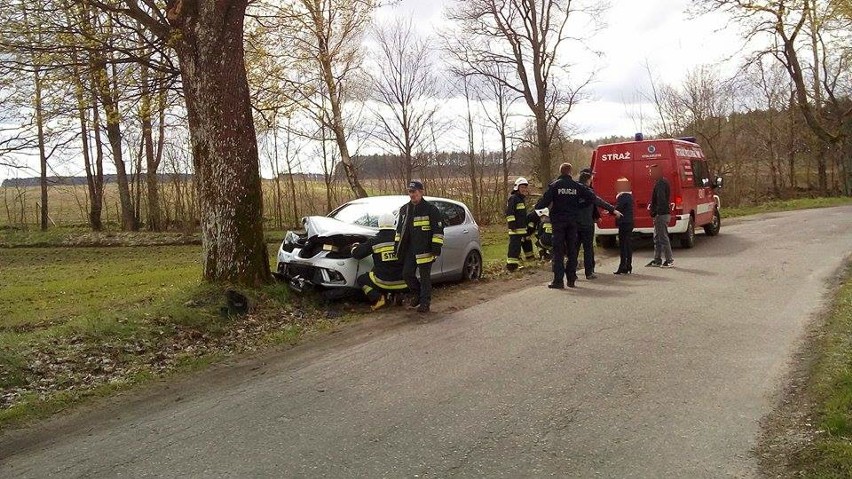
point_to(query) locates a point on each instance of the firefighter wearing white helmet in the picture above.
(516, 219)
(386, 275)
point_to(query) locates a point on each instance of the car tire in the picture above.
(608, 241)
(712, 229)
(472, 269)
(687, 239)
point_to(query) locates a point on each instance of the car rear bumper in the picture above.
(681, 223)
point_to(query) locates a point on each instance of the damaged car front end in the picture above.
(319, 256)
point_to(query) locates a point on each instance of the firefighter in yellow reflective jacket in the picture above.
(516, 219)
(386, 276)
(419, 239)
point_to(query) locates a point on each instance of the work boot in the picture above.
(556, 285)
(668, 264)
(591, 276)
(572, 284)
(655, 263)
(511, 267)
(381, 302)
(423, 308)
(414, 302)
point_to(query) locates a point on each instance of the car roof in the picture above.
(401, 200)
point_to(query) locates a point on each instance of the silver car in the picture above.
(319, 257)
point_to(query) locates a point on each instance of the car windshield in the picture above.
(367, 212)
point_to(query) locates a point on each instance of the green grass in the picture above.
(829, 389)
(785, 205)
(96, 302)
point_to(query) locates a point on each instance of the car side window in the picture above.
(452, 214)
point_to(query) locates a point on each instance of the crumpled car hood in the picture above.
(323, 226)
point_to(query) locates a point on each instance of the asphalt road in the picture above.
(666, 373)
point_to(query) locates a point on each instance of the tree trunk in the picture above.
(113, 126)
(151, 180)
(42, 155)
(471, 157)
(544, 153)
(96, 213)
(224, 146)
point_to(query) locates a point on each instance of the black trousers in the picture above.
(422, 288)
(565, 242)
(586, 237)
(625, 246)
(374, 287)
(516, 244)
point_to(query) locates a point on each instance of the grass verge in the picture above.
(786, 205)
(828, 454)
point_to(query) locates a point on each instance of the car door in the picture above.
(455, 237)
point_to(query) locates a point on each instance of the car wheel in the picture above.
(715, 225)
(608, 241)
(687, 239)
(472, 266)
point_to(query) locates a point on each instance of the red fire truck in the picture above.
(694, 199)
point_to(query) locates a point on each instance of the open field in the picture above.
(283, 208)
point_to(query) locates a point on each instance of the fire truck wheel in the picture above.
(687, 239)
(712, 229)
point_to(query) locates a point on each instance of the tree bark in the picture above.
(42, 155)
(151, 163)
(209, 44)
(113, 127)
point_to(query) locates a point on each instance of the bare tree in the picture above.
(494, 90)
(528, 37)
(813, 45)
(408, 90)
(322, 40)
(208, 40)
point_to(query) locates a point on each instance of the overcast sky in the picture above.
(661, 33)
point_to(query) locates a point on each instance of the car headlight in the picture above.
(291, 238)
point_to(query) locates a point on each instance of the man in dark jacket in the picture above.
(660, 208)
(516, 219)
(589, 216)
(563, 199)
(624, 204)
(386, 276)
(419, 238)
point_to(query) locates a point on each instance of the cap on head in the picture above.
(415, 185)
(587, 171)
(387, 221)
(520, 181)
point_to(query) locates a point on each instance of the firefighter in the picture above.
(563, 200)
(543, 233)
(516, 219)
(419, 238)
(386, 275)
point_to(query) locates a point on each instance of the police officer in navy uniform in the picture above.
(563, 198)
(589, 216)
(386, 275)
(419, 238)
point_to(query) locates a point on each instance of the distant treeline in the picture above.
(81, 180)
